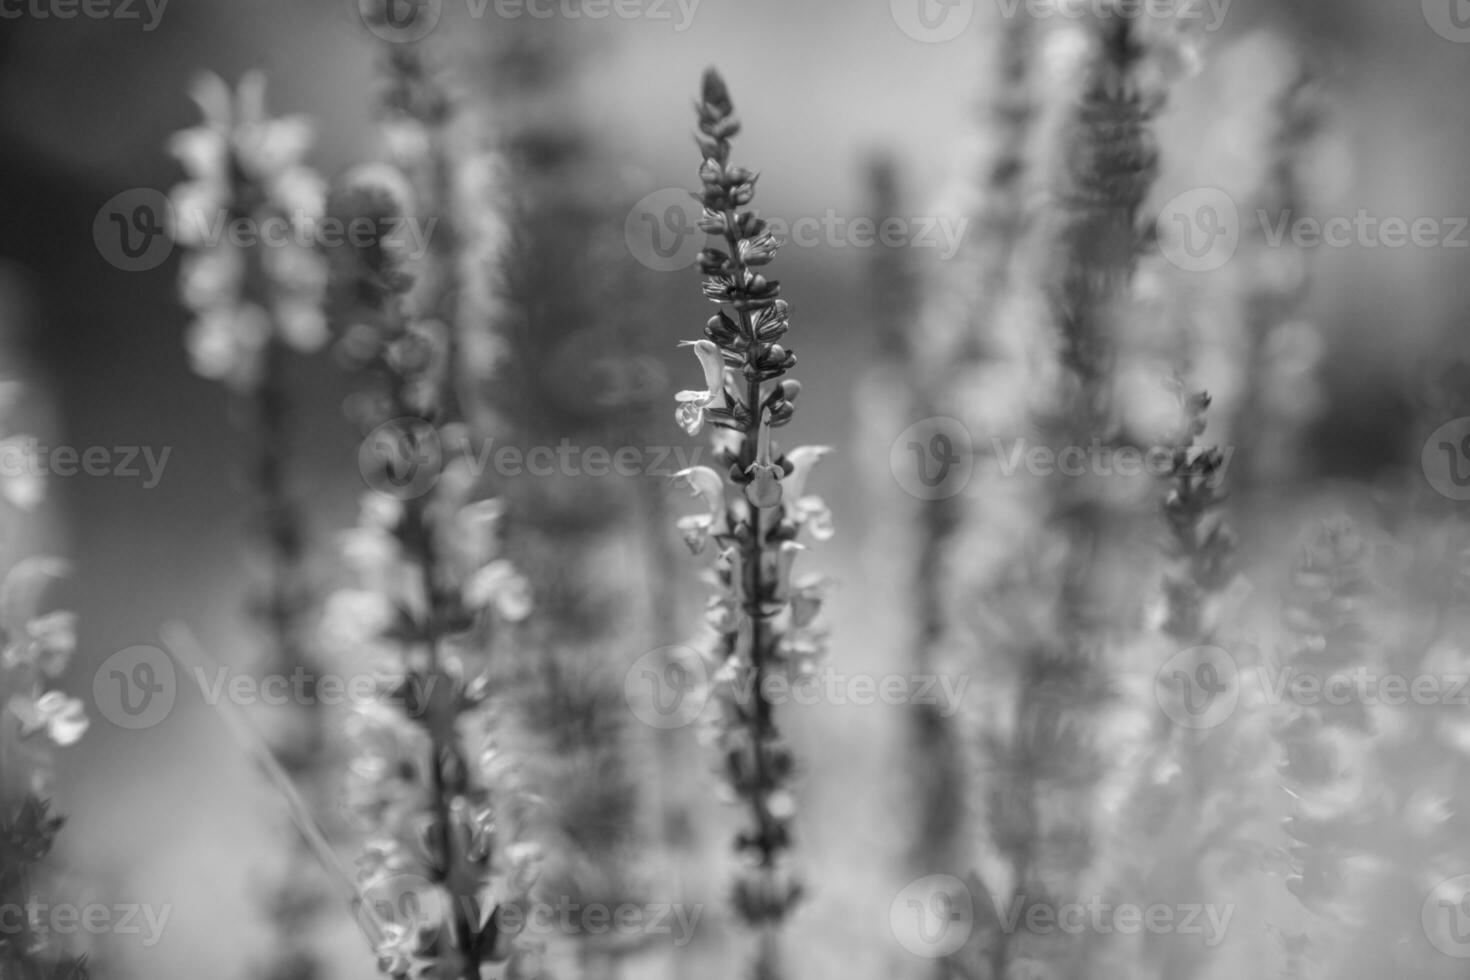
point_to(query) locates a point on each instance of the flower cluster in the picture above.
(765, 621)
(433, 595)
(247, 292)
(1200, 542)
(35, 717)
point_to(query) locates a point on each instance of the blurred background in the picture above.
(177, 813)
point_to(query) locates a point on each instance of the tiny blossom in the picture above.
(353, 618)
(693, 405)
(697, 529)
(63, 719)
(500, 586)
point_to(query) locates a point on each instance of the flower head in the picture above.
(693, 405)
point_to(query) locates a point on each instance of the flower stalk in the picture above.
(757, 511)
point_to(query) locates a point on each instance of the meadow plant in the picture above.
(513, 203)
(36, 718)
(1324, 762)
(256, 302)
(435, 599)
(764, 621)
(1058, 612)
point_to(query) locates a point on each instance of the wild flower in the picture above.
(1057, 617)
(256, 300)
(248, 301)
(1325, 759)
(757, 510)
(431, 784)
(36, 718)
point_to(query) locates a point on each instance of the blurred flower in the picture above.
(63, 719)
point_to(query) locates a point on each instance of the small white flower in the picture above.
(706, 484)
(694, 404)
(802, 460)
(764, 488)
(498, 584)
(225, 343)
(355, 618)
(63, 719)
